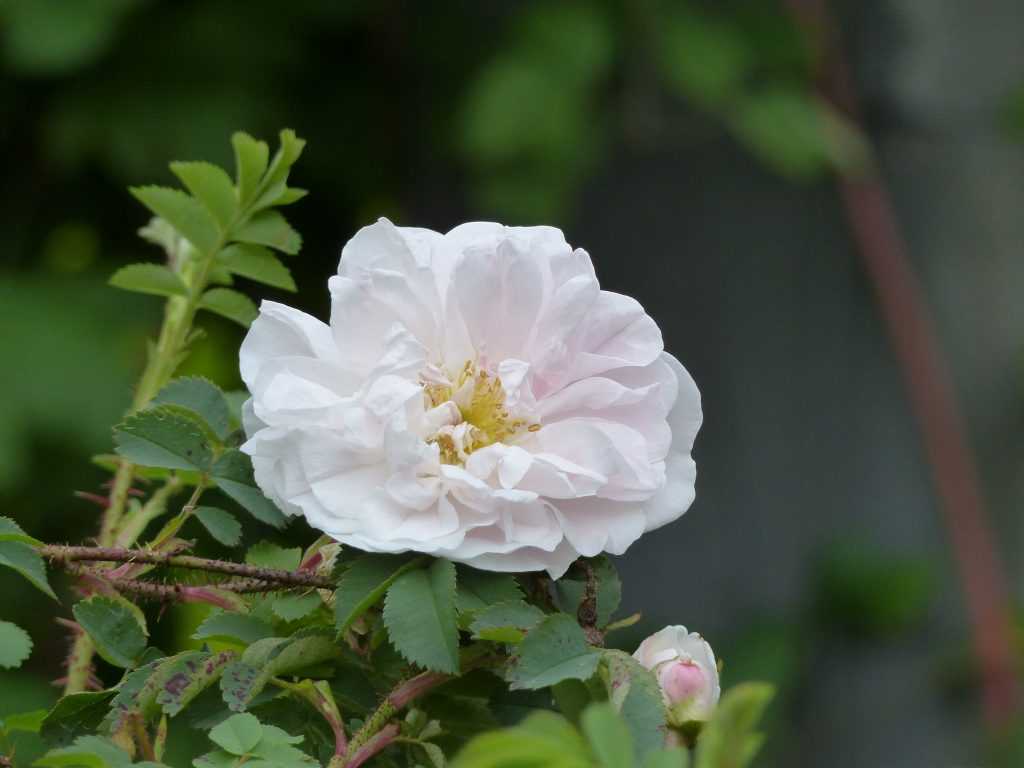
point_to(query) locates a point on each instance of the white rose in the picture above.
(686, 670)
(476, 396)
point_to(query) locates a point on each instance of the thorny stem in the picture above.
(274, 577)
(377, 732)
(164, 357)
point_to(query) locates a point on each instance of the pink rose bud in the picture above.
(685, 667)
(681, 680)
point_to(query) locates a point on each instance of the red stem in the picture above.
(377, 742)
(932, 397)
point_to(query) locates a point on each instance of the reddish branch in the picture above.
(929, 384)
(64, 555)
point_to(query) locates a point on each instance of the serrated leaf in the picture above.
(506, 622)
(11, 531)
(116, 626)
(268, 555)
(363, 585)
(201, 396)
(555, 650)
(88, 752)
(155, 279)
(288, 152)
(220, 524)
(238, 734)
(233, 626)
(256, 263)
(187, 676)
(294, 607)
(634, 693)
(233, 475)
(230, 304)
(730, 737)
(182, 212)
(164, 436)
(74, 714)
(609, 737)
(479, 589)
(26, 561)
(419, 613)
(212, 187)
(272, 229)
(15, 645)
(244, 679)
(251, 158)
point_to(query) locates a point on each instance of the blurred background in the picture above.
(695, 150)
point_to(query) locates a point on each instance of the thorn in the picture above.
(100, 501)
(68, 624)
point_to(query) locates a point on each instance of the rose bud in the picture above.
(686, 670)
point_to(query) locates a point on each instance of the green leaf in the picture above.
(212, 187)
(542, 740)
(220, 524)
(294, 607)
(233, 475)
(256, 263)
(479, 589)
(419, 612)
(506, 622)
(273, 184)
(73, 715)
(555, 650)
(239, 734)
(667, 758)
(182, 212)
(291, 195)
(23, 722)
(186, 676)
(149, 278)
(244, 679)
(11, 531)
(730, 738)
(201, 396)
(116, 626)
(705, 58)
(267, 555)
(634, 693)
(26, 561)
(88, 752)
(233, 626)
(15, 645)
(165, 436)
(609, 737)
(230, 304)
(797, 133)
(270, 228)
(251, 157)
(363, 585)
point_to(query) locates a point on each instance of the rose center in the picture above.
(468, 411)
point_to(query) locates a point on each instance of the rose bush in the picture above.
(475, 396)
